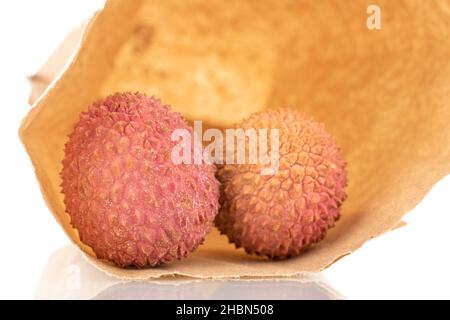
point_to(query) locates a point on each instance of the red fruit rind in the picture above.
(282, 214)
(124, 195)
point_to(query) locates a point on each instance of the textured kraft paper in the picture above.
(383, 94)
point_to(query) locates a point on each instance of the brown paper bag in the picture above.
(384, 95)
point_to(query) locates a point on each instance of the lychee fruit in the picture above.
(280, 214)
(128, 200)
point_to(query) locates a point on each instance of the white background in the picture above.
(411, 262)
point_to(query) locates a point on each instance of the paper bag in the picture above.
(383, 93)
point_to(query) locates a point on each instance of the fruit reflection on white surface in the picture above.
(68, 275)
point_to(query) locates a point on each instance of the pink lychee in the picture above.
(128, 200)
(281, 214)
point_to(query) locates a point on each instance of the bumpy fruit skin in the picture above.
(123, 193)
(280, 215)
